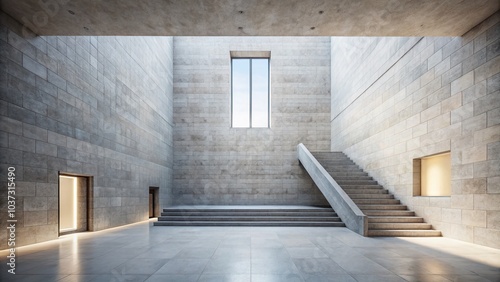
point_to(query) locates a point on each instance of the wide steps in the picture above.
(399, 226)
(365, 191)
(249, 216)
(356, 182)
(248, 213)
(376, 201)
(371, 196)
(395, 219)
(404, 233)
(362, 186)
(251, 223)
(389, 212)
(382, 207)
(348, 174)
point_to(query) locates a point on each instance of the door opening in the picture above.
(73, 204)
(154, 202)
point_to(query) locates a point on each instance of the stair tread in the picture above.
(249, 210)
(274, 218)
(251, 223)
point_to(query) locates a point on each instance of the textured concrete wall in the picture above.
(215, 164)
(443, 94)
(100, 106)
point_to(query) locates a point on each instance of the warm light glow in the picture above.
(436, 175)
(68, 203)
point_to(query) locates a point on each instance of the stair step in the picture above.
(365, 191)
(356, 182)
(244, 213)
(371, 196)
(382, 207)
(248, 218)
(337, 174)
(404, 233)
(352, 178)
(361, 186)
(341, 167)
(395, 219)
(388, 213)
(248, 210)
(376, 201)
(250, 223)
(337, 162)
(399, 226)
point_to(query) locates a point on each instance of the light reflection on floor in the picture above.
(141, 252)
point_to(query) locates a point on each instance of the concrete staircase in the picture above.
(249, 216)
(386, 215)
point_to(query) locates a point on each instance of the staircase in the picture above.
(249, 216)
(386, 215)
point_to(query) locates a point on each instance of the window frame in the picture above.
(251, 58)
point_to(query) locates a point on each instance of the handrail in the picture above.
(346, 209)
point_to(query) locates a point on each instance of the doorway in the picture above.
(154, 202)
(73, 204)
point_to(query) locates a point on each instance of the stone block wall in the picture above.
(97, 106)
(217, 164)
(434, 95)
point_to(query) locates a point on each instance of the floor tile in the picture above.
(277, 278)
(270, 253)
(225, 278)
(183, 266)
(200, 253)
(271, 266)
(306, 252)
(142, 252)
(140, 266)
(228, 266)
(172, 278)
(318, 266)
(328, 278)
(241, 252)
(266, 243)
(378, 278)
(425, 278)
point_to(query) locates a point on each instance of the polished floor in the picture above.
(141, 252)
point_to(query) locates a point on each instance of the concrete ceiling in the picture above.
(251, 17)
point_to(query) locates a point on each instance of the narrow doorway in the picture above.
(153, 202)
(73, 204)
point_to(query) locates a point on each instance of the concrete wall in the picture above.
(99, 106)
(440, 95)
(215, 164)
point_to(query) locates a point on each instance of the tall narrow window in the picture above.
(250, 92)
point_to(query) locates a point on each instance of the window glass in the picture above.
(250, 92)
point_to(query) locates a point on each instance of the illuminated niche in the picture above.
(432, 175)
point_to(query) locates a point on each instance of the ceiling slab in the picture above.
(251, 17)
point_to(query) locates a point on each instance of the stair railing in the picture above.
(343, 205)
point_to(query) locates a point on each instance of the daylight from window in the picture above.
(250, 93)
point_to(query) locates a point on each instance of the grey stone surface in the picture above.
(217, 164)
(243, 18)
(453, 103)
(108, 116)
